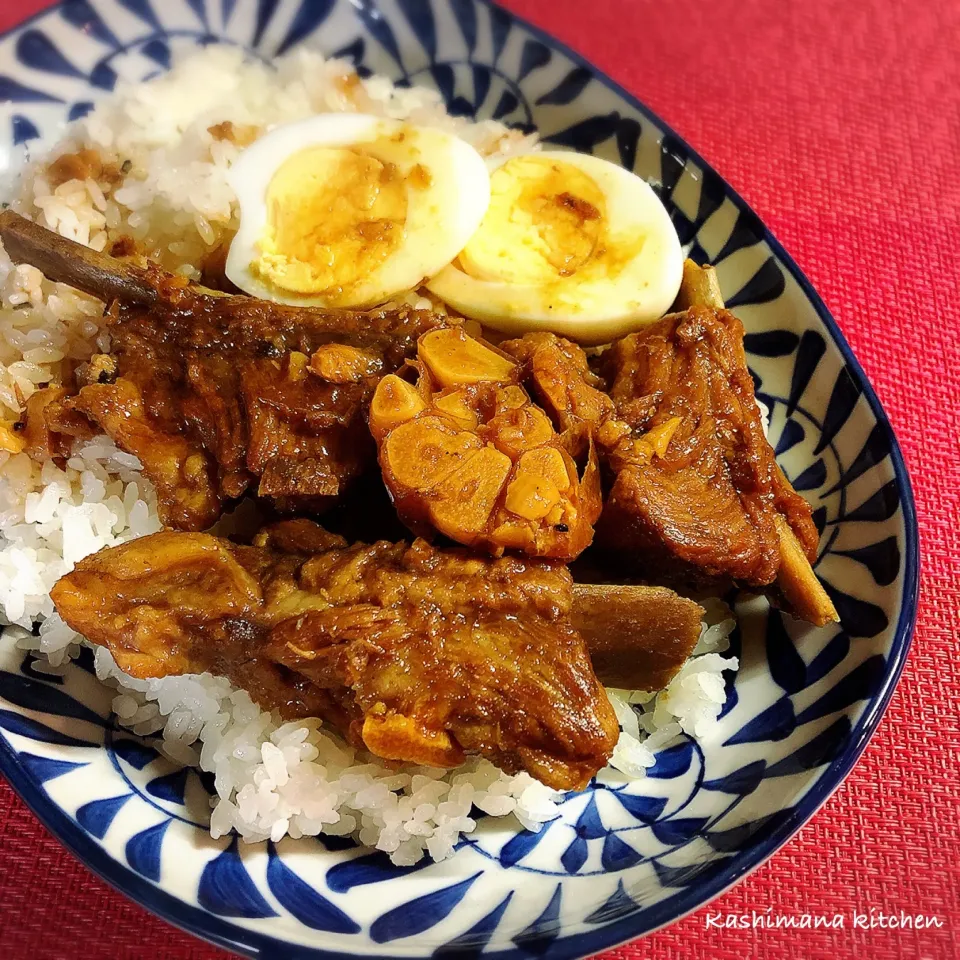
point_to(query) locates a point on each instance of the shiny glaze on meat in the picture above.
(693, 490)
(712, 496)
(215, 393)
(421, 655)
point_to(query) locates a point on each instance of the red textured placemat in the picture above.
(840, 124)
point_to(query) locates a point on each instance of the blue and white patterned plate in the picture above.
(619, 861)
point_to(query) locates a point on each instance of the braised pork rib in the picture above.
(215, 393)
(693, 493)
(419, 654)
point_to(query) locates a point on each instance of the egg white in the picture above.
(587, 309)
(441, 215)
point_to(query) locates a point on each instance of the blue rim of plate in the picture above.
(249, 943)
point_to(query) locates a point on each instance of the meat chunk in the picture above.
(418, 654)
(711, 497)
(562, 381)
(183, 473)
(42, 441)
(466, 452)
(763, 484)
(216, 393)
(693, 492)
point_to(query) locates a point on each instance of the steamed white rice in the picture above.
(272, 779)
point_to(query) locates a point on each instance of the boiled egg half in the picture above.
(347, 210)
(569, 243)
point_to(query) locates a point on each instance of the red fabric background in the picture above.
(840, 123)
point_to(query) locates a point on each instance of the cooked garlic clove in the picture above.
(297, 363)
(454, 359)
(547, 462)
(517, 430)
(394, 402)
(461, 504)
(423, 452)
(659, 437)
(455, 406)
(512, 398)
(341, 363)
(531, 496)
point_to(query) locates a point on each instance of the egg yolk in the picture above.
(545, 222)
(334, 215)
